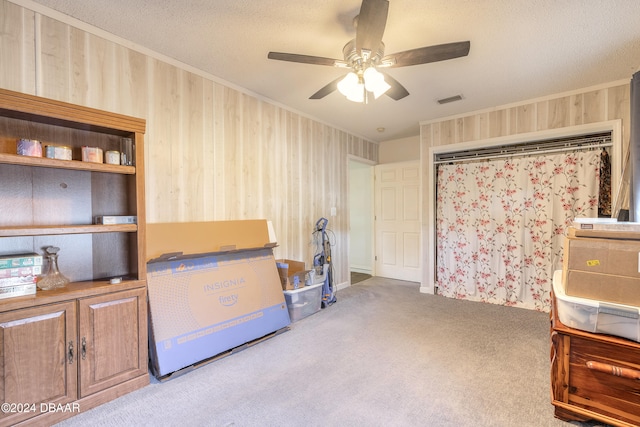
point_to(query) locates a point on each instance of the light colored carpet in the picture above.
(383, 355)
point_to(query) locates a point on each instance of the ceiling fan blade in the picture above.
(371, 23)
(305, 59)
(397, 91)
(424, 55)
(331, 87)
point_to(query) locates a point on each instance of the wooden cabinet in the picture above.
(86, 343)
(112, 330)
(594, 376)
(28, 378)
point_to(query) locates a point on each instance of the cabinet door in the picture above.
(112, 339)
(38, 362)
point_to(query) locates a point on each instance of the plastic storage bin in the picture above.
(596, 316)
(303, 302)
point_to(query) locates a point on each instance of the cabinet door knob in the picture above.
(70, 353)
(84, 348)
(617, 371)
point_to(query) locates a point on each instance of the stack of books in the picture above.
(19, 274)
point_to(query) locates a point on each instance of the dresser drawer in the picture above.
(604, 378)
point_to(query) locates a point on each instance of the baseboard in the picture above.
(427, 290)
(342, 285)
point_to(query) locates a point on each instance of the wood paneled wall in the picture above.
(591, 105)
(212, 152)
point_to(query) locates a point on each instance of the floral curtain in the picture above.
(500, 224)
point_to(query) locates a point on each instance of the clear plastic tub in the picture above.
(596, 316)
(303, 302)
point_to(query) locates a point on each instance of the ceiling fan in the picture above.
(364, 55)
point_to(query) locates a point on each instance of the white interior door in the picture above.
(397, 221)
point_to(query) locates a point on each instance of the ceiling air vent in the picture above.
(450, 99)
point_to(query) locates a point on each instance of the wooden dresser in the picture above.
(594, 376)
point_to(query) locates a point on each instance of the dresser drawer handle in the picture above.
(614, 370)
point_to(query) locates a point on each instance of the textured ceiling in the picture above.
(520, 49)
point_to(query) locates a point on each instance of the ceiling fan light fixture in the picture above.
(357, 95)
(352, 88)
(367, 50)
(374, 82)
(353, 85)
(381, 89)
(345, 86)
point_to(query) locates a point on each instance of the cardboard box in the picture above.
(17, 290)
(618, 231)
(172, 239)
(605, 224)
(293, 274)
(204, 301)
(18, 280)
(34, 270)
(596, 316)
(602, 269)
(20, 260)
(115, 219)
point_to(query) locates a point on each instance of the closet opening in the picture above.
(498, 210)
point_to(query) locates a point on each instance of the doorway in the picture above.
(361, 214)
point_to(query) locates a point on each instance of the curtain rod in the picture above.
(528, 153)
